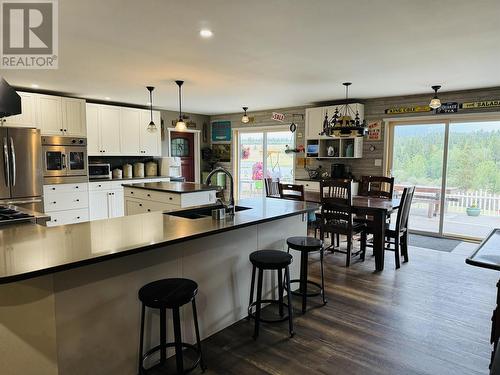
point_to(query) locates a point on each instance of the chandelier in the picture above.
(345, 121)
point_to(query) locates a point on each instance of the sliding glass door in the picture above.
(456, 169)
(261, 154)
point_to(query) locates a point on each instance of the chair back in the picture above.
(291, 192)
(377, 186)
(404, 209)
(272, 188)
(336, 204)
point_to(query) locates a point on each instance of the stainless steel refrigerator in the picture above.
(21, 181)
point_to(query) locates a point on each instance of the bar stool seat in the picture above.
(306, 245)
(170, 294)
(273, 260)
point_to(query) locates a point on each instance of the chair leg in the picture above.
(321, 256)
(289, 299)
(348, 251)
(251, 289)
(258, 306)
(141, 340)
(178, 340)
(337, 237)
(280, 291)
(396, 252)
(197, 331)
(363, 245)
(404, 246)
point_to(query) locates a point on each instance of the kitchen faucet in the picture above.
(229, 206)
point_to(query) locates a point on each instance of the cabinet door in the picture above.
(314, 122)
(119, 203)
(99, 205)
(28, 116)
(74, 117)
(109, 130)
(93, 142)
(150, 140)
(50, 112)
(130, 131)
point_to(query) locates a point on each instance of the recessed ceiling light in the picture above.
(206, 33)
(34, 85)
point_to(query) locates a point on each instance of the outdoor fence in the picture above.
(488, 202)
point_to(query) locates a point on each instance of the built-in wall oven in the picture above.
(64, 159)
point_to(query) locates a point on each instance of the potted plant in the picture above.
(473, 209)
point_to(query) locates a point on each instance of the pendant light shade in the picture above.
(245, 119)
(435, 102)
(180, 125)
(152, 125)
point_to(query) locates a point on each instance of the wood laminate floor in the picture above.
(432, 316)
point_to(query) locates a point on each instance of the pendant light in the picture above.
(180, 125)
(245, 119)
(152, 125)
(435, 102)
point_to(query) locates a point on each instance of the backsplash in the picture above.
(119, 161)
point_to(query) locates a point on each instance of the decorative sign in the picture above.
(451, 107)
(413, 109)
(221, 131)
(482, 104)
(278, 116)
(375, 131)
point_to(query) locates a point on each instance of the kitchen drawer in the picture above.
(100, 185)
(66, 201)
(308, 185)
(68, 217)
(134, 207)
(150, 195)
(63, 188)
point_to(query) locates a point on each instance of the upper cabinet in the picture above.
(74, 122)
(122, 131)
(51, 117)
(316, 116)
(28, 117)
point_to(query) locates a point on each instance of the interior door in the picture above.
(182, 146)
(26, 161)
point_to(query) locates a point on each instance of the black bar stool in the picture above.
(170, 294)
(270, 260)
(307, 245)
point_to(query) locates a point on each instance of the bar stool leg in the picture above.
(303, 279)
(321, 255)
(251, 289)
(141, 340)
(280, 291)
(178, 340)
(163, 336)
(197, 331)
(258, 305)
(289, 298)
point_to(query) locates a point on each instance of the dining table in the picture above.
(379, 209)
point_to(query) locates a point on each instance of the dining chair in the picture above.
(337, 215)
(272, 188)
(377, 186)
(291, 192)
(396, 234)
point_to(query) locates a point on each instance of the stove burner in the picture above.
(9, 214)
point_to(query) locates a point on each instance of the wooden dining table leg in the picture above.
(379, 238)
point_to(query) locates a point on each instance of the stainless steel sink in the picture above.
(199, 213)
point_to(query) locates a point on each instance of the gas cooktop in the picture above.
(10, 215)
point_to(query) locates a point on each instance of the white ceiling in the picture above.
(269, 53)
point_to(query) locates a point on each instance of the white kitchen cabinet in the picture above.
(28, 117)
(150, 141)
(106, 204)
(103, 130)
(50, 115)
(66, 203)
(74, 123)
(130, 131)
(92, 117)
(314, 122)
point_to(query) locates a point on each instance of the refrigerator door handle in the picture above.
(6, 161)
(13, 152)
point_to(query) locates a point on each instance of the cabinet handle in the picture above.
(99, 185)
(149, 195)
(54, 202)
(131, 192)
(140, 204)
(78, 217)
(149, 209)
(170, 198)
(76, 187)
(78, 200)
(53, 188)
(55, 219)
(60, 129)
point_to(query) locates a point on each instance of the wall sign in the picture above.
(278, 116)
(450, 107)
(412, 109)
(482, 104)
(221, 131)
(375, 131)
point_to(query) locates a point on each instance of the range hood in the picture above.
(10, 101)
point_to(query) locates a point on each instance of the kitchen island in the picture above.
(69, 296)
(161, 196)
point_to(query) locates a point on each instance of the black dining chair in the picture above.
(292, 192)
(377, 186)
(337, 215)
(396, 235)
(272, 187)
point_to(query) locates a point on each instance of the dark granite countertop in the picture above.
(30, 250)
(172, 187)
(487, 254)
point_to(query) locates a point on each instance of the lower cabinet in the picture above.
(106, 204)
(66, 203)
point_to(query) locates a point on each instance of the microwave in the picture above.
(99, 171)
